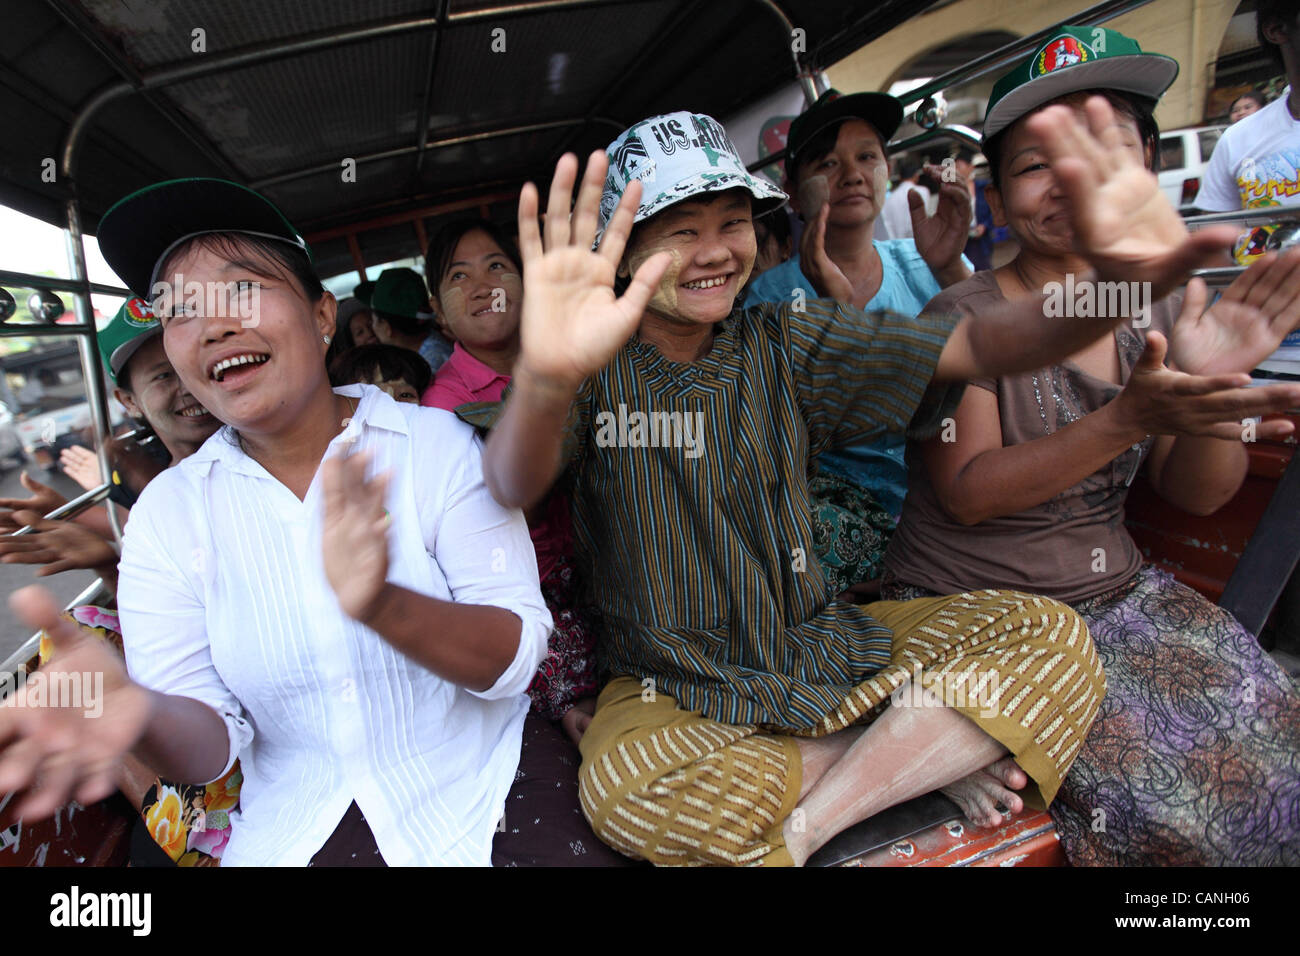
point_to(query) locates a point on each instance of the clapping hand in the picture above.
(44, 499)
(53, 749)
(1157, 400)
(354, 534)
(58, 545)
(941, 238)
(1246, 325)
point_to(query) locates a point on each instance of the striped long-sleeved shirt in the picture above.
(691, 510)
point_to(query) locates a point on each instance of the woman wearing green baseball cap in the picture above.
(361, 641)
(1181, 767)
(740, 684)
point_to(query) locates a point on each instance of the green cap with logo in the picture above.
(401, 292)
(1072, 60)
(133, 325)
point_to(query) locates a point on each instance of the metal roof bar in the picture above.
(333, 165)
(1009, 53)
(86, 28)
(633, 71)
(426, 104)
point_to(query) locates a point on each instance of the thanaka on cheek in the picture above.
(879, 186)
(513, 285)
(664, 300)
(453, 304)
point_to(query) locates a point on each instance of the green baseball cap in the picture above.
(133, 326)
(1076, 59)
(401, 292)
(139, 231)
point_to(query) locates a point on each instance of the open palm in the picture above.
(55, 750)
(572, 322)
(1123, 224)
(1246, 325)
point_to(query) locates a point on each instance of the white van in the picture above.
(1184, 154)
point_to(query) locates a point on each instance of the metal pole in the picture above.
(804, 76)
(92, 369)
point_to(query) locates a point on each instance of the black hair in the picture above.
(438, 257)
(286, 260)
(1255, 95)
(404, 324)
(342, 340)
(965, 154)
(1281, 12)
(775, 224)
(822, 143)
(908, 166)
(390, 361)
(1137, 108)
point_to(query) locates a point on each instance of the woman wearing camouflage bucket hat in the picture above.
(739, 683)
(1182, 765)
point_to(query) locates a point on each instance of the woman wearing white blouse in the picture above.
(352, 640)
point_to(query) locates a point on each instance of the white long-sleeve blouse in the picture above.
(223, 598)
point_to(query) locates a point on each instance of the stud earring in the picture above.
(326, 338)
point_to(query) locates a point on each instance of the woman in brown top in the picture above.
(1195, 756)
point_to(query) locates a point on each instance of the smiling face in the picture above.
(1028, 197)
(856, 173)
(713, 248)
(152, 391)
(255, 373)
(480, 294)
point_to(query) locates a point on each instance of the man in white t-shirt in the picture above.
(896, 214)
(1256, 162)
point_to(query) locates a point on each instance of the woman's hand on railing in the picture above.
(59, 545)
(1246, 324)
(354, 534)
(1123, 224)
(63, 733)
(44, 499)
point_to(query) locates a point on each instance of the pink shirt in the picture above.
(463, 379)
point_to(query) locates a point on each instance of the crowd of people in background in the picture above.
(399, 565)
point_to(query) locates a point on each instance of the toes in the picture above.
(1008, 773)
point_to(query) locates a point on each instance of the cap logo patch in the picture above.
(137, 313)
(1059, 53)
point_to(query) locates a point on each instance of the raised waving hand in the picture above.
(572, 321)
(1123, 224)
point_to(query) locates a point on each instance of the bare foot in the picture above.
(978, 794)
